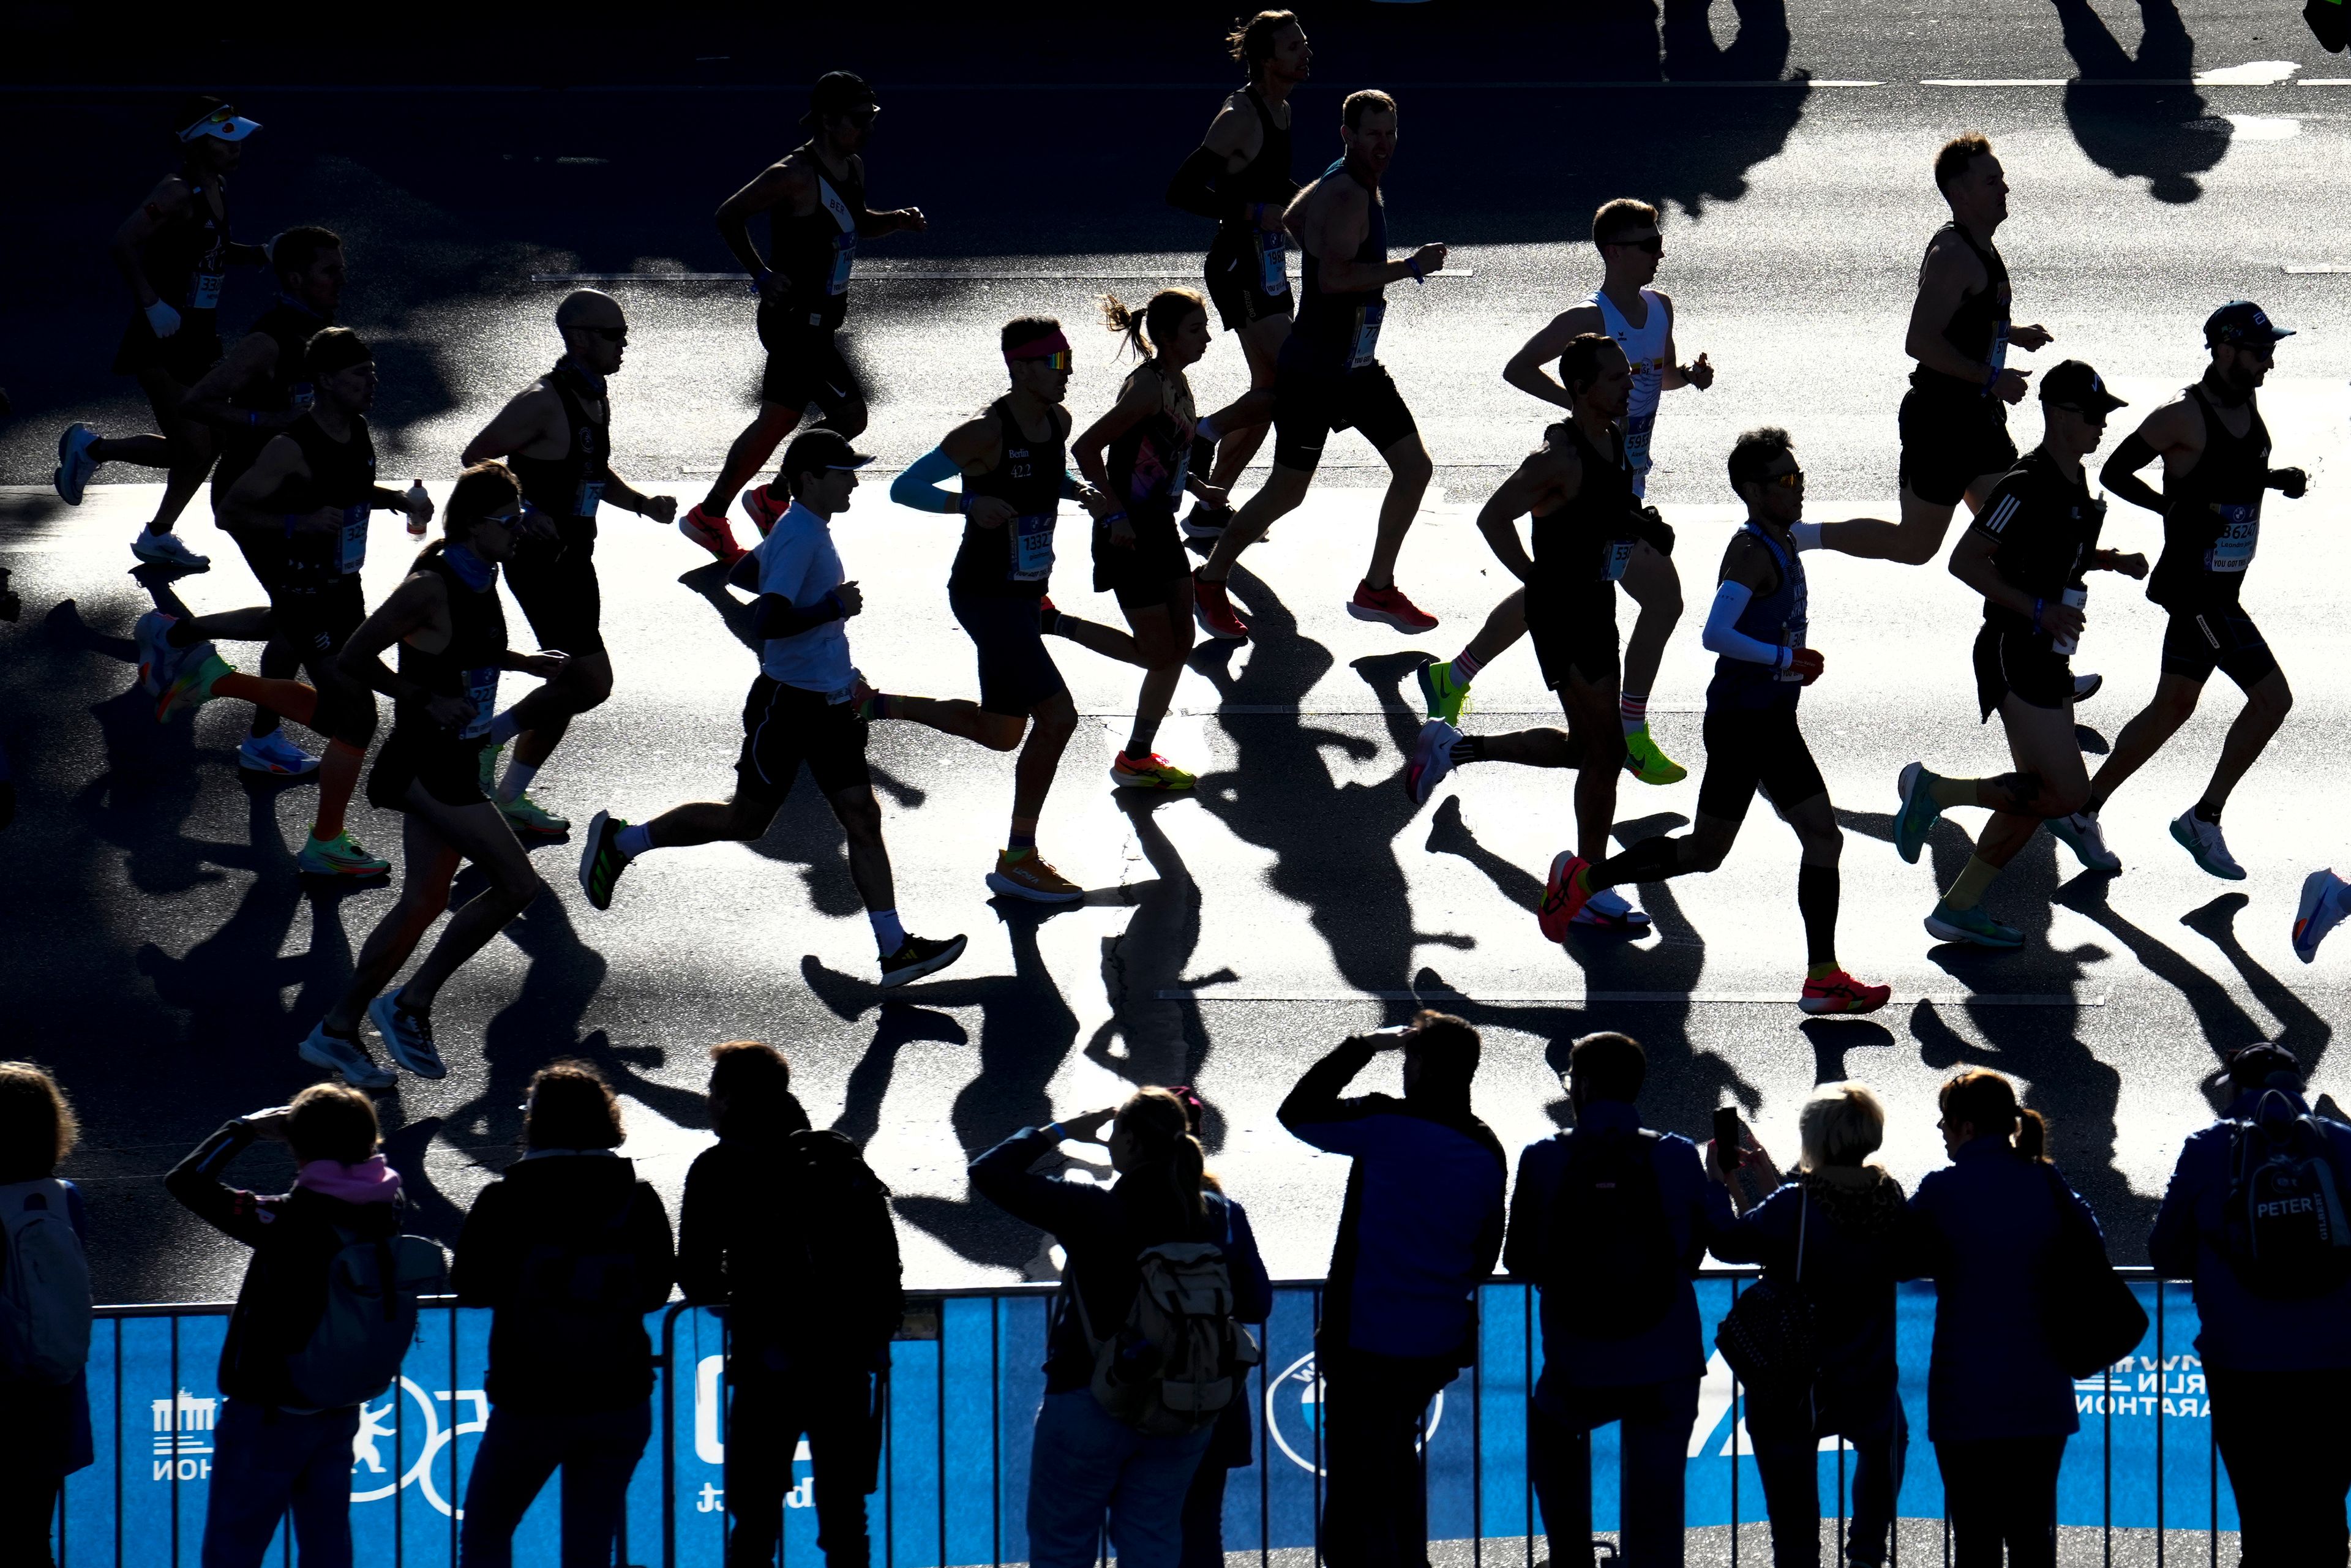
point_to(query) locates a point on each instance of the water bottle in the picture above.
(2066, 646)
(417, 502)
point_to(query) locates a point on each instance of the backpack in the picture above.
(573, 1290)
(45, 1289)
(2283, 1228)
(842, 1217)
(1179, 1358)
(369, 1320)
(1610, 1269)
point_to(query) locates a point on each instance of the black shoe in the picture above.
(919, 957)
(1205, 522)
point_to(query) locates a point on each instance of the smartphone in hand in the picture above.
(1747, 1169)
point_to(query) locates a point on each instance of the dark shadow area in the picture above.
(1148, 1040)
(2164, 135)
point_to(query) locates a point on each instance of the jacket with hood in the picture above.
(294, 1237)
(571, 1251)
(1856, 1229)
(1422, 1223)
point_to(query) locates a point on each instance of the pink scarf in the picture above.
(370, 1181)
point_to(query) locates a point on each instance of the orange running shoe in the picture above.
(1564, 894)
(716, 535)
(1213, 611)
(1838, 992)
(765, 507)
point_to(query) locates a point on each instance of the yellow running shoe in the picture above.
(1152, 772)
(1643, 761)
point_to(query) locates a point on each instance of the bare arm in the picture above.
(1137, 401)
(872, 225)
(2175, 429)
(1530, 368)
(777, 183)
(1697, 373)
(530, 425)
(418, 602)
(248, 503)
(252, 359)
(1947, 274)
(169, 200)
(977, 446)
(1557, 473)
(1331, 221)
(661, 509)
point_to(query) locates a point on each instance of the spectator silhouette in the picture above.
(1234, 1446)
(44, 1417)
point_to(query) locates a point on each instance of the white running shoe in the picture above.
(274, 755)
(166, 550)
(75, 464)
(347, 1057)
(1432, 759)
(2202, 839)
(2086, 686)
(2321, 911)
(1610, 910)
(2081, 834)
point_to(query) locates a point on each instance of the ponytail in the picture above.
(1147, 330)
(1169, 1166)
(1987, 1102)
(1127, 323)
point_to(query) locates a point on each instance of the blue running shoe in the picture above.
(2321, 911)
(1917, 817)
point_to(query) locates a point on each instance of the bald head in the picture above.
(588, 308)
(595, 334)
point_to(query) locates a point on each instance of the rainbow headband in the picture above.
(1041, 349)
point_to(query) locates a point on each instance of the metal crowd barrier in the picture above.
(962, 1387)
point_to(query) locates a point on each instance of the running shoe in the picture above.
(1154, 772)
(274, 755)
(1838, 992)
(1611, 911)
(1205, 522)
(2086, 686)
(156, 655)
(1565, 896)
(1974, 925)
(600, 860)
(408, 1035)
(2321, 911)
(192, 679)
(526, 815)
(1442, 692)
(1389, 605)
(765, 507)
(167, 550)
(716, 535)
(1031, 878)
(341, 855)
(486, 766)
(349, 1057)
(1916, 815)
(1432, 759)
(2081, 834)
(75, 464)
(919, 957)
(1643, 761)
(2202, 839)
(1213, 608)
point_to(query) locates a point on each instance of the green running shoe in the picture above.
(600, 860)
(1643, 761)
(488, 775)
(1442, 693)
(528, 816)
(1972, 925)
(200, 667)
(341, 855)
(1916, 815)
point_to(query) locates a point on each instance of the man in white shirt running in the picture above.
(803, 708)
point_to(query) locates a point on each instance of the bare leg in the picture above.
(2266, 708)
(1505, 624)
(869, 858)
(1599, 742)
(190, 448)
(1408, 475)
(429, 864)
(750, 455)
(1055, 720)
(2173, 704)
(1275, 499)
(960, 717)
(1528, 749)
(1262, 346)
(542, 718)
(1657, 587)
(480, 833)
(2042, 742)
(247, 625)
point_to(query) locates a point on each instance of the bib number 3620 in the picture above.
(2240, 533)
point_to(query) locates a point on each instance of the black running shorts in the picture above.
(554, 581)
(1016, 672)
(419, 751)
(786, 726)
(264, 552)
(2222, 637)
(1236, 278)
(2012, 660)
(1950, 440)
(185, 356)
(1309, 405)
(804, 367)
(1574, 629)
(1151, 569)
(1748, 747)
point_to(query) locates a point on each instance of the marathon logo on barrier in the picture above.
(183, 1436)
(2144, 1386)
(184, 1424)
(1293, 1413)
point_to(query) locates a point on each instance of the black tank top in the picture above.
(1340, 331)
(1149, 463)
(287, 386)
(342, 475)
(1264, 178)
(1979, 328)
(1584, 544)
(1016, 560)
(815, 252)
(2212, 513)
(185, 257)
(570, 489)
(468, 666)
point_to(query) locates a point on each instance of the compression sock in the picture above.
(516, 780)
(1651, 860)
(888, 935)
(1049, 621)
(2205, 810)
(1023, 839)
(1633, 708)
(339, 776)
(504, 729)
(1950, 792)
(1816, 901)
(1466, 666)
(1469, 749)
(1975, 880)
(633, 840)
(291, 698)
(1139, 738)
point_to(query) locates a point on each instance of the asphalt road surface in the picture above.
(161, 953)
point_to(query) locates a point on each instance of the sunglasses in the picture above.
(1654, 244)
(1792, 480)
(609, 334)
(2095, 417)
(1057, 360)
(862, 117)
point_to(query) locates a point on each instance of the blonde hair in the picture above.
(38, 1129)
(1841, 1124)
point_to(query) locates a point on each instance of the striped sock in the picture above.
(1466, 666)
(1633, 708)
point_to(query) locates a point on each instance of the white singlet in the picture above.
(1645, 346)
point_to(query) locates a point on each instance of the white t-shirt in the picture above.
(797, 561)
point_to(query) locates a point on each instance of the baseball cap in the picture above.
(2242, 321)
(2258, 1066)
(819, 450)
(2074, 382)
(838, 92)
(210, 117)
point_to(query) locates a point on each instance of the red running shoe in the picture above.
(1390, 605)
(1213, 611)
(1564, 894)
(1838, 992)
(765, 507)
(713, 534)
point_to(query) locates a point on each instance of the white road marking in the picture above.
(1662, 998)
(922, 275)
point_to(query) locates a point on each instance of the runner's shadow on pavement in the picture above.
(1148, 1040)
(1832, 1039)
(2164, 135)
(2303, 1031)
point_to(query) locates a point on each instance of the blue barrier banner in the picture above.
(962, 1394)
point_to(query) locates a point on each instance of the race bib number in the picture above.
(1615, 556)
(482, 687)
(1032, 548)
(844, 243)
(353, 554)
(1638, 427)
(301, 395)
(1367, 335)
(1998, 358)
(2240, 532)
(204, 292)
(1273, 262)
(591, 496)
(2063, 646)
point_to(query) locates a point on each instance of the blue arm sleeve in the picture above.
(1723, 636)
(923, 486)
(1068, 486)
